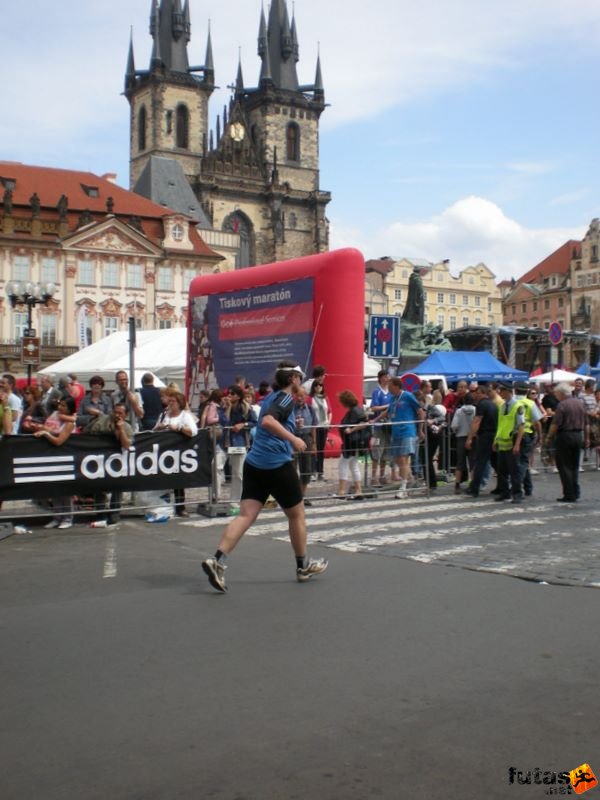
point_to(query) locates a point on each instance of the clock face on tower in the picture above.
(177, 232)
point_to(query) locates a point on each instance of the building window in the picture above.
(594, 252)
(138, 323)
(85, 269)
(561, 302)
(165, 279)
(514, 309)
(477, 320)
(580, 281)
(452, 299)
(164, 324)
(465, 299)
(546, 305)
(477, 301)
(524, 307)
(183, 127)
(405, 273)
(471, 280)
(21, 268)
(142, 129)
(188, 276)
(239, 223)
(111, 325)
(110, 274)
(177, 232)
(489, 305)
(452, 323)
(49, 271)
(48, 324)
(441, 320)
(589, 278)
(397, 294)
(534, 305)
(135, 276)
(292, 139)
(19, 324)
(465, 322)
(440, 297)
(424, 297)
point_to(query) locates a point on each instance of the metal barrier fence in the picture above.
(216, 499)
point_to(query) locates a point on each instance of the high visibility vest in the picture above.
(507, 426)
(527, 406)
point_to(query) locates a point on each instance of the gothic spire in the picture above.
(209, 64)
(130, 71)
(186, 21)
(263, 42)
(295, 47)
(319, 90)
(239, 81)
(155, 58)
(280, 46)
(170, 29)
(265, 70)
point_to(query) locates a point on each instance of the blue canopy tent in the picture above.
(473, 365)
(585, 369)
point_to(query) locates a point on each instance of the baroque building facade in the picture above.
(451, 301)
(256, 176)
(110, 254)
(563, 288)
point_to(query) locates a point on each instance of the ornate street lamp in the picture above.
(27, 293)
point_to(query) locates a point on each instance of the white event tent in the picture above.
(556, 376)
(162, 352)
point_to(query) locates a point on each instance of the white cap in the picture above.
(297, 369)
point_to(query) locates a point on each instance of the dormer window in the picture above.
(8, 183)
(91, 191)
(177, 232)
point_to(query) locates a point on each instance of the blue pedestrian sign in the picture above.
(384, 336)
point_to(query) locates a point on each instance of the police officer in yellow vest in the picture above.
(532, 433)
(507, 444)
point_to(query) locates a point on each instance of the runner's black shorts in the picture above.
(282, 483)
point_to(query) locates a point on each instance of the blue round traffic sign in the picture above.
(411, 382)
(555, 333)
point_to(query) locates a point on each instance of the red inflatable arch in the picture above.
(309, 310)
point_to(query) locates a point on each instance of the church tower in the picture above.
(257, 174)
(169, 101)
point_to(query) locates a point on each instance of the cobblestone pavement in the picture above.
(539, 540)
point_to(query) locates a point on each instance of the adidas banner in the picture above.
(32, 467)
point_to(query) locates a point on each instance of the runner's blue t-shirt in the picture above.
(268, 451)
(403, 409)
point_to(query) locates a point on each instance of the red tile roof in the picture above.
(50, 183)
(557, 263)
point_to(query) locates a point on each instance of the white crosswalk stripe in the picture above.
(527, 540)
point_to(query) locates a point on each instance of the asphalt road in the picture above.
(397, 674)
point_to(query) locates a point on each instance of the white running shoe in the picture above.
(313, 567)
(216, 574)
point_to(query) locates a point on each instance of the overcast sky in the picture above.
(457, 129)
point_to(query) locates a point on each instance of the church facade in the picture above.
(256, 177)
